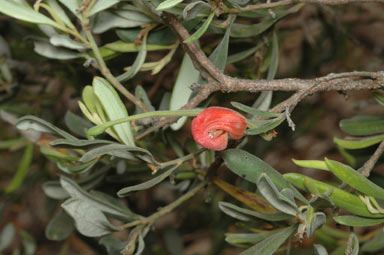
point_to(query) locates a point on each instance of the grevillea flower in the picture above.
(212, 126)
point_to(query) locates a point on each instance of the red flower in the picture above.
(212, 126)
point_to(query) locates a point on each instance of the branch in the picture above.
(368, 166)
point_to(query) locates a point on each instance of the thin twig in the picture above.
(368, 166)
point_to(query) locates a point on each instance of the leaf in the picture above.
(29, 243)
(53, 189)
(97, 202)
(356, 221)
(60, 13)
(148, 184)
(114, 108)
(239, 2)
(355, 245)
(274, 57)
(121, 151)
(320, 250)
(251, 167)
(193, 9)
(264, 101)
(85, 144)
(173, 241)
(25, 13)
(270, 192)
(181, 92)
(60, 227)
(243, 54)
(240, 238)
(376, 243)
(89, 220)
(316, 164)
(254, 112)
(318, 220)
(59, 40)
(269, 245)
(32, 122)
(257, 127)
(245, 31)
(220, 53)
(47, 50)
(199, 32)
(139, 61)
(112, 245)
(101, 5)
(120, 46)
(252, 200)
(363, 125)
(7, 235)
(72, 5)
(234, 209)
(122, 19)
(233, 213)
(76, 124)
(167, 4)
(354, 179)
(360, 143)
(338, 196)
(22, 169)
(158, 37)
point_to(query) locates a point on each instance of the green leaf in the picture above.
(53, 189)
(112, 245)
(251, 167)
(359, 143)
(316, 164)
(194, 9)
(376, 243)
(29, 243)
(114, 108)
(257, 127)
(253, 111)
(245, 31)
(355, 245)
(269, 245)
(264, 101)
(220, 53)
(22, 169)
(139, 61)
(148, 184)
(60, 13)
(76, 124)
(274, 57)
(339, 197)
(241, 238)
(356, 221)
(181, 92)
(23, 12)
(101, 5)
(60, 227)
(228, 208)
(270, 192)
(317, 220)
(162, 37)
(199, 32)
(47, 50)
(167, 4)
(89, 220)
(354, 179)
(85, 144)
(120, 46)
(363, 125)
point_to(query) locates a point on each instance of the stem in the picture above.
(105, 71)
(151, 219)
(101, 128)
(182, 159)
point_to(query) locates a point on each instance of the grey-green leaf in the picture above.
(269, 245)
(148, 184)
(251, 167)
(320, 250)
(199, 32)
(89, 220)
(6, 236)
(25, 13)
(60, 227)
(181, 91)
(167, 4)
(101, 5)
(59, 40)
(47, 50)
(374, 244)
(253, 111)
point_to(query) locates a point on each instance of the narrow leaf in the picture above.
(201, 29)
(167, 4)
(316, 164)
(356, 221)
(359, 143)
(363, 125)
(60, 227)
